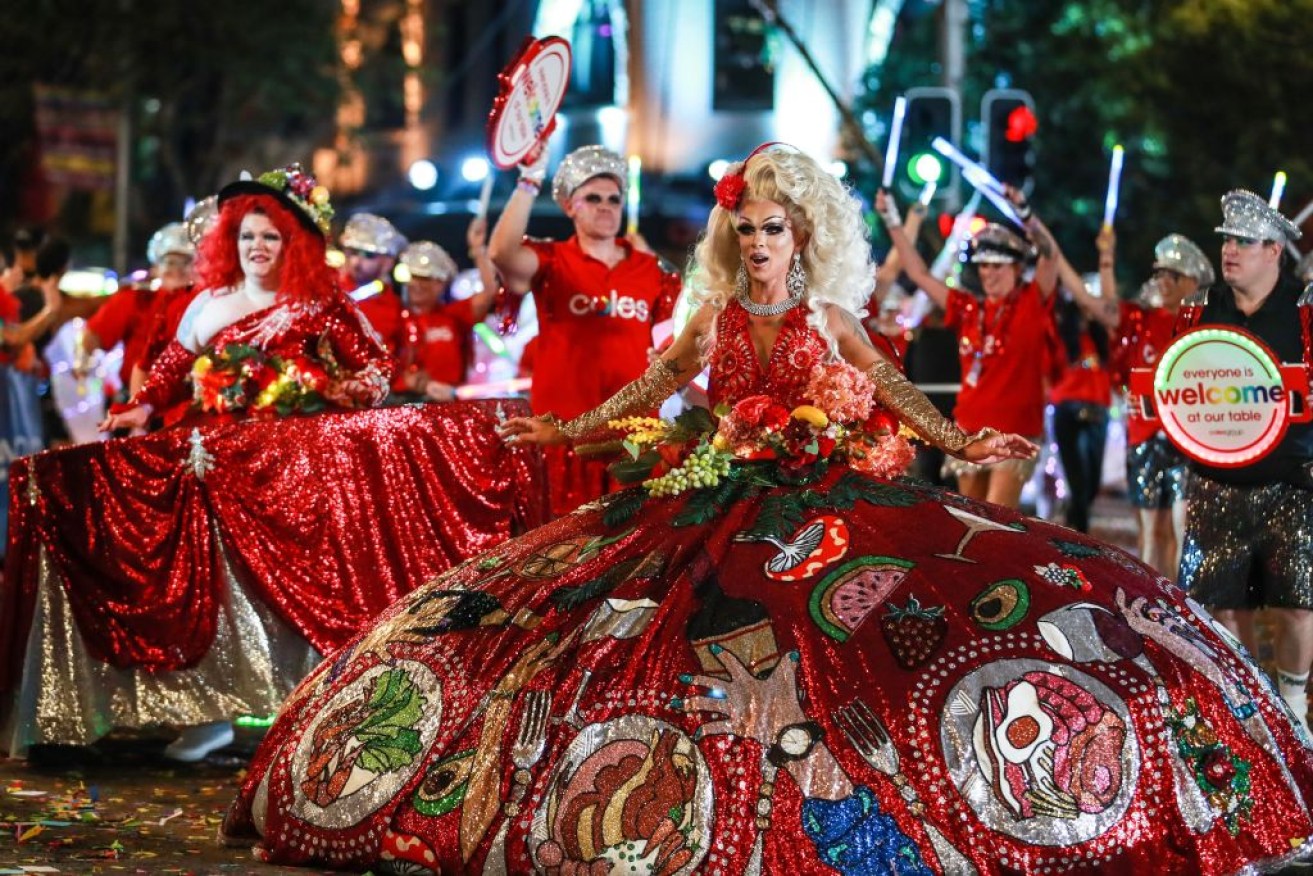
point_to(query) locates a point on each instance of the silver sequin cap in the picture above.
(1245, 214)
(201, 218)
(369, 233)
(997, 245)
(426, 259)
(1175, 252)
(583, 164)
(171, 238)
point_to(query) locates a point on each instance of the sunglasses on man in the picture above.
(594, 199)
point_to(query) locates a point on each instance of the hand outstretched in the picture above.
(998, 447)
(133, 418)
(531, 430)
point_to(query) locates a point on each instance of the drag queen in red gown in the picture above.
(270, 335)
(772, 657)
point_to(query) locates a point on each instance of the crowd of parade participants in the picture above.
(781, 290)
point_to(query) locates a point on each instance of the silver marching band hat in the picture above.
(1178, 253)
(374, 234)
(996, 245)
(583, 164)
(424, 258)
(201, 218)
(172, 238)
(1245, 214)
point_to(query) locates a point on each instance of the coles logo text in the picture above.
(612, 304)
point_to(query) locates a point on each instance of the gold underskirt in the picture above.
(67, 697)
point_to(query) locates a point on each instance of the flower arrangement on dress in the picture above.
(236, 377)
(841, 421)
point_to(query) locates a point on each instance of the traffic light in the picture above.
(1008, 117)
(931, 113)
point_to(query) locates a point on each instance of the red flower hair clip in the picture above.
(729, 188)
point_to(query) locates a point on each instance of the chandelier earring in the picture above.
(796, 280)
(741, 282)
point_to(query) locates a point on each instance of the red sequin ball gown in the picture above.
(165, 624)
(851, 675)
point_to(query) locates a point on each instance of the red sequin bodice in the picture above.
(736, 371)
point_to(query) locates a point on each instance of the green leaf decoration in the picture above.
(700, 508)
(633, 471)
(853, 487)
(623, 506)
(1075, 549)
(696, 421)
(704, 505)
(780, 515)
(388, 738)
(646, 566)
(597, 542)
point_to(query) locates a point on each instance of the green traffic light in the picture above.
(925, 167)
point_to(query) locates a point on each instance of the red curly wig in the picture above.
(304, 273)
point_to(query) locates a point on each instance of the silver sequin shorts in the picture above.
(1248, 547)
(1155, 474)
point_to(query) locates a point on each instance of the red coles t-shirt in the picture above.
(594, 323)
(1009, 391)
(437, 343)
(124, 318)
(1086, 379)
(1142, 335)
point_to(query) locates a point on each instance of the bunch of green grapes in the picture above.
(704, 467)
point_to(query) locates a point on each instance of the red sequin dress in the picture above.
(853, 675)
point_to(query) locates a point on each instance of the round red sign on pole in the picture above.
(532, 88)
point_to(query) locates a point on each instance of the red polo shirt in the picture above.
(436, 343)
(1009, 393)
(594, 323)
(124, 319)
(1085, 380)
(1142, 335)
(165, 314)
(383, 312)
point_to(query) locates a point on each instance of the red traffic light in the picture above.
(948, 220)
(1021, 125)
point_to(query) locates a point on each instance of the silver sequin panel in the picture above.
(1156, 473)
(1247, 547)
(68, 697)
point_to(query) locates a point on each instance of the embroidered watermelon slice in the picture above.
(846, 597)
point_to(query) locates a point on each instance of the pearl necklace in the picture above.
(768, 309)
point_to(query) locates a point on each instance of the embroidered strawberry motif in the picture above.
(913, 633)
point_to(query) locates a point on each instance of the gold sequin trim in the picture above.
(646, 393)
(901, 396)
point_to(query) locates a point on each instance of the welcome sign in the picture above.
(1221, 395)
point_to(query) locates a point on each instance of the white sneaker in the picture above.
(198, 741)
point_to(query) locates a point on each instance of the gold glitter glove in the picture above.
(646, 393)
(899, 395)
